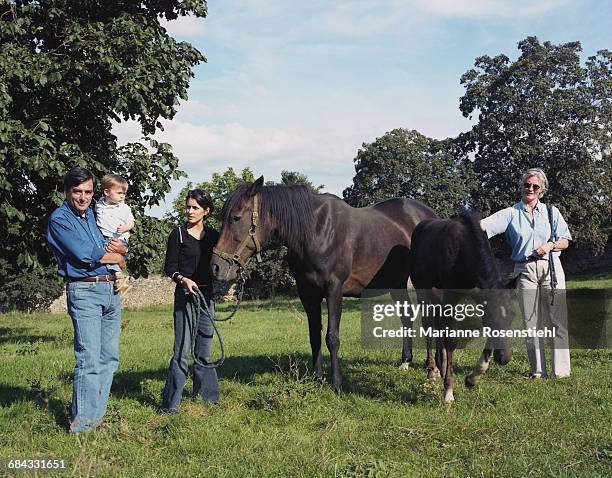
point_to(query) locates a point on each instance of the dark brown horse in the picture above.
(335, 250)
(451, 258)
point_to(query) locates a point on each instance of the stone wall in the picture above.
(153, 290)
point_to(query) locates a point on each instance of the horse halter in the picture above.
(252, 235)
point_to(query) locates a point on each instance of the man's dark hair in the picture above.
(77, 176)
(202, 197)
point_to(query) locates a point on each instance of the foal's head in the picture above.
(499, 314)
(499, 311)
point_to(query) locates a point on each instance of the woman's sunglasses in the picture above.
(530, 185)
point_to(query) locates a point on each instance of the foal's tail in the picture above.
(487, 266)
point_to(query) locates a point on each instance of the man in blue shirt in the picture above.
(94, 307)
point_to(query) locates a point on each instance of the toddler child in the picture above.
(115, 220)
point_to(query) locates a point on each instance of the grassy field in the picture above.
(274, 420)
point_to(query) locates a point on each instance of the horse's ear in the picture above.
(255, 187)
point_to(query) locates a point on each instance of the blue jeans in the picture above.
(205, 382)
(114, 267)
(95, 310)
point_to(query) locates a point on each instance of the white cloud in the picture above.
(187, 26)
(269, 20)
(204, 149)
(499, 8)
(127, 132)
(192, 109)
(214, 144)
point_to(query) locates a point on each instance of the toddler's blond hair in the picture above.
(110, 181)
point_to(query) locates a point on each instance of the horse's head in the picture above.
(242, 232)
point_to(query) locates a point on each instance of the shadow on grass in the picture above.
(17, 335)
(374, 378)
(40, 397)
(132, 384)
(384, 383)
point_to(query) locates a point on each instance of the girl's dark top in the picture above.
(191, 258)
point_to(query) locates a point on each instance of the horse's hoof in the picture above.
(449, 397)
(405, 366)
(433, 374)
(471, 381)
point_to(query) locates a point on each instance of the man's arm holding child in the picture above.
(115, 250)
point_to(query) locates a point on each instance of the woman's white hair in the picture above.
(534, 172)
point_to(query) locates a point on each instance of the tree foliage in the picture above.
(404, 163)
(220, 186)
(543, 110)
(68, 70)
(289, 178)
(28, 292)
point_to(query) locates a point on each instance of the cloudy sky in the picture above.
(301, 85)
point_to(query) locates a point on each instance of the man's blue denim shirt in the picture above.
(77, 242)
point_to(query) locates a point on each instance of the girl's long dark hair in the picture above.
(202, 197)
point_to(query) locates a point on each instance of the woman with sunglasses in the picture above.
(528, 231)
(188, 264)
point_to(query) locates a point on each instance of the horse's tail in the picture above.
(487, 266)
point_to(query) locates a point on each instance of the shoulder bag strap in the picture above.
(551, 261)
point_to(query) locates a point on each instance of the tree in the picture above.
(68, 69)
(543, 110)
(219, 187)
(409, 164)
(289, 178)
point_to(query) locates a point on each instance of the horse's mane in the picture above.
(291, 206)
(487, 266)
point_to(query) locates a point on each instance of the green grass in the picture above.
(595, 279)
(274, 420)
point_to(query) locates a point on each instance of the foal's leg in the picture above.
(401, 295)
(332, 339)
(433, 372)
(450, 344)
(425, 297)
(481, 367)
(441, 357)
(449, 379)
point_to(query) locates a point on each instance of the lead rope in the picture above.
(551, 259)
(195, 306)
